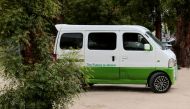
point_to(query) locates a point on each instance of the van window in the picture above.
(71, 41)
(102, 41)
(158, 42)
(134, 41)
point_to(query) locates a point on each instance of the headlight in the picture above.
(171, 62)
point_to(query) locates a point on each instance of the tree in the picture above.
(158, 20)
(26, 37)
(146, 13)
(91, 12)
(182, 46)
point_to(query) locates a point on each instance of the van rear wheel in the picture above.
(159, 83)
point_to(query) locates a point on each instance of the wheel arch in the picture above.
(154, 72)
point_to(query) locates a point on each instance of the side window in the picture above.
(71, 41)
(102, 41)
(134, 41)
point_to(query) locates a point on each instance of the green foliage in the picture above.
(91, 12)
(119, 12)
(172, 9)
(180, 7)
(43, 86)
(108, 12)
(26, 38)
(169, 16)
(140, 13)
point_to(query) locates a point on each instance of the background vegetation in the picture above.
(26, 39)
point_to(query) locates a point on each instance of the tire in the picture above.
(159, 83)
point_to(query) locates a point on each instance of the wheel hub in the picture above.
(161, 83)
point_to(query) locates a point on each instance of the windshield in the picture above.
(156, 40)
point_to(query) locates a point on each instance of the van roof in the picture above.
(60, 27)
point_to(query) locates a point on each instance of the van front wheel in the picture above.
(159, 83)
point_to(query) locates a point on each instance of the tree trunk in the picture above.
(158, 28)
(30, 51)
(182, 46)
(158, 20)
(27, 51)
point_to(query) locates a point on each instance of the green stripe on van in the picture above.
(126, 75)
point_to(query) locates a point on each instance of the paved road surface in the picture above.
(136, 97)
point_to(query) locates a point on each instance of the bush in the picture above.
(46, 86)
(26, 30)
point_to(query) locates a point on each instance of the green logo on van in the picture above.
(101, 65)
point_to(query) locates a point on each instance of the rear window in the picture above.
(102, 41)
(71, 41)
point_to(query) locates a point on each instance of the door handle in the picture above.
(113, 58)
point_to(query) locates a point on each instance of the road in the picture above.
(136, 97)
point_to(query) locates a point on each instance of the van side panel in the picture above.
(108, 73)
(102, 59)
(135, 64)
(136, 73)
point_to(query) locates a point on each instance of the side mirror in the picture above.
(147, 47)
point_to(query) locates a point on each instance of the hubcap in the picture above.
(161, 83)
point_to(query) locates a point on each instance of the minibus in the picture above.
(119, 54)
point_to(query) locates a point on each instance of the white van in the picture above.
(120, 54)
